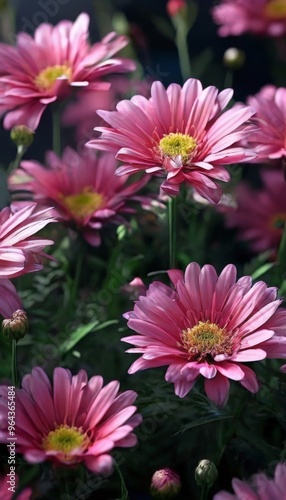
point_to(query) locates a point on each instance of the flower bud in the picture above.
(165, 484)
(15, 328)
(22, 136)
(234, 58)
(206, 473)
(175, 7)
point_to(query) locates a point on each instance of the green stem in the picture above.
(172, 209)
(56, 130)
(183, 52)
(14, 363)
(204, 492)
(78, 269)
(183, 22)
(228, 79)
(15, 164)
(124, 491)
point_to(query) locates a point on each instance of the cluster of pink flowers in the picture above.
(261, 17)
(205, 325)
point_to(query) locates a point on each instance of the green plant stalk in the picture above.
(14, 363)
(15, 164)
(172, 212)
(183, 51)
(204, 492)
(124, 491)
(56, 118)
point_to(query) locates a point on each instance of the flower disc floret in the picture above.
(65, 439)
(47, 77)
(206, 340)
(177, 144)
(83, 204)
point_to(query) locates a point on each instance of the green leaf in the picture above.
(262, 270)
(82, 331)
(204, 420)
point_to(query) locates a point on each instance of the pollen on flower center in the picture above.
(275, 9)
(47, 77)
(206, 340)
(177, 144)
(65, 439)
(83, 204)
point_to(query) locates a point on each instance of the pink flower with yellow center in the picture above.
(207, 325)
(84, 190)
(269, 140)
(20, 251)
(260, 214)
(70, 421)
(260, 487)
(180, 134)
(44, 69)
(261, 17)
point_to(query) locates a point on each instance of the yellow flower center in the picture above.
(275, 9)
(65, 439)
(206, 340)
(47, 77)
(177, 144)
(83, 204)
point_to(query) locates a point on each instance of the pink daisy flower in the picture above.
(207, 325)
(6, 493)
(9, 299)
(260, 487)
(20, 251)
(260, 214)
(71, 421)
(180, 133)
(261, 17)
(268, 141)
(83, 189)
(43, 69)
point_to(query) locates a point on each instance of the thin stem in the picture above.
(15, 164)
(14, 363)
(228, 80)
(204, 492)
(124, 491)
(172, 209)
(78, 269)
(183, 52)
(56, 130)
(183, 23)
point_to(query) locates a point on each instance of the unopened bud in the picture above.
(165, 484)
(234, 58)
(22, 136)
(206, 473)
(15, 328)
(175, 7)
